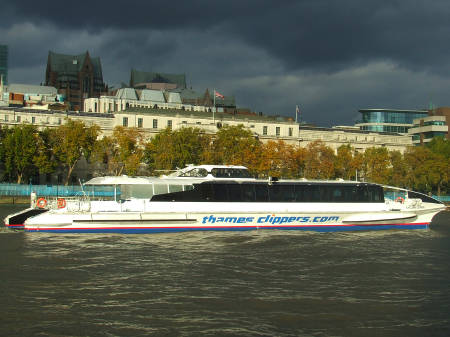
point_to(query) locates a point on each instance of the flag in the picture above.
(219, 95)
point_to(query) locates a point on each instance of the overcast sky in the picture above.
(330, 57)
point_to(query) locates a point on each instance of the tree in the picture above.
(398, 171)
(319, 161)
(44, 158)
(376, 165)
(236, 145)
(20, 148)
(343, 164)
(281, 160)
(169, 149)
(440, 146)
(72, 141)
(122, 151)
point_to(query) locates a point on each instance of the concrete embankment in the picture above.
(14, 200)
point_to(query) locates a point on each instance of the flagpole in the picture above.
(214, 108)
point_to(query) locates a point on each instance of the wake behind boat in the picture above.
(219, 197)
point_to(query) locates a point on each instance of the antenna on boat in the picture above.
(82, 189)
(272, 180)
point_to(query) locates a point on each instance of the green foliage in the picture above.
(376, 165)
(24, 151)
(44, 158)
(236, 145)
(121, 152)
(20, 148)
(319, 161)
(171, 149)
(71, 141)
(440, 146)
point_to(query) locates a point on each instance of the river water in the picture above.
(258, 283)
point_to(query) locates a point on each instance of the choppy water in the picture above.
(259, 283)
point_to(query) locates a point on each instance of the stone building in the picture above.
(77, 77)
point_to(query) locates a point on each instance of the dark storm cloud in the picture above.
(311, 35)
(331, 57)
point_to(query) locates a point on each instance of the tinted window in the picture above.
(234, 193)
(248, 192)
(423, 197)
(220, 192)
(281, 193)
(261, 193)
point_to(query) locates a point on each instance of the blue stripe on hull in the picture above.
(21, 227)
(134, 230)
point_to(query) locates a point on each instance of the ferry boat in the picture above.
(220, 198)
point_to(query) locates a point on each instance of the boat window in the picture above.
(227, 172)
(248, 192)
(195, 172)
(220, 192)
(261, 193)
(423, 197)
(281, 193)
(234, 192)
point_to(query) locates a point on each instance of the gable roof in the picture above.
(31, 89)
(152, 95)
(138, 76)
(127, 93)
(67, 65)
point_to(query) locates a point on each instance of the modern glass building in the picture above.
(425, 129)
(389, 120)
(4, 63)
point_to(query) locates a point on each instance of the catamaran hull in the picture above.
(136, 223)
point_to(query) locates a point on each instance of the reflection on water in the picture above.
(259, 283)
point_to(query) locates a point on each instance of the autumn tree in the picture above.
(376, 165)
(319, 161)
(170, 149)
(236, 145)
(343, 163)
(398, 170)
(122, 152)
(281, 160)
(72, 141)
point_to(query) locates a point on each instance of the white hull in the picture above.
(142, 216)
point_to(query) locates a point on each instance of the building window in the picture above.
(169, 124)
(33, 120)
(291, 132)
(125, 121)
(265, 130)
(277, 131)
(140, 122)
(6, 118)
(184, 122)
(18, 119)
(155, 124)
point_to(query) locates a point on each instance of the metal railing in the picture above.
(17, 190)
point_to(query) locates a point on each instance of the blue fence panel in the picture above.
(443, 198)
(18, 190)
